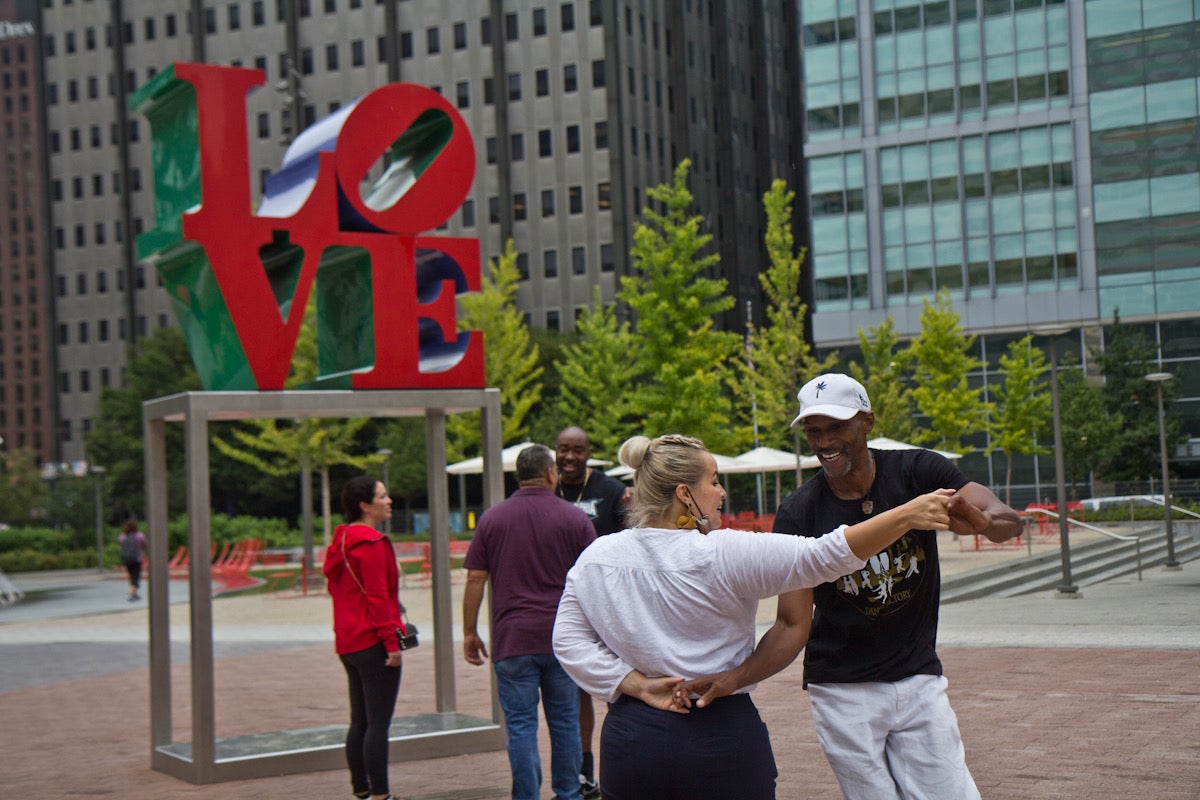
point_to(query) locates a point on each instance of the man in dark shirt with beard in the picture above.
(603, 499)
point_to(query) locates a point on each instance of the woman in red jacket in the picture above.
(362, 573)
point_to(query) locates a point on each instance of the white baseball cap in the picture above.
(832, 395)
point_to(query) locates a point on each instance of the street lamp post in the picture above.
(1067, 589)
(1157, 379)
(387, 455)
(99, 473)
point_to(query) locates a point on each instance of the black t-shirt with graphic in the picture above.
(600, 498)
(878, 623)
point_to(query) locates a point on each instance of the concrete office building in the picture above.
(576, 107)
(1038, 158)
(27, 391)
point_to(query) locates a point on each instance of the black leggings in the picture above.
(134, 568)
(373, 690)
(718, 752)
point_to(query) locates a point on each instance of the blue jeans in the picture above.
(518, 680)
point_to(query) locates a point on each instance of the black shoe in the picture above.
(588, 789)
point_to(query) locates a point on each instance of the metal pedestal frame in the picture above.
(209, 760)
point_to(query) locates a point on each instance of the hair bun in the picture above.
(633, 451)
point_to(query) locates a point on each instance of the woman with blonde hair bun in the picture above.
(671, 598)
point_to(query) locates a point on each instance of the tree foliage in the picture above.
(885, 372)
(1089, 430)
(511, 357)
(595, 374)
(24, 496)
(159, 365)
(1022, 420)
(942, 360)
(284, 448)
(779, 358)
(1125, 361)
(684, 358)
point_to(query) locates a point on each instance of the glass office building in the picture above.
(1037, 158)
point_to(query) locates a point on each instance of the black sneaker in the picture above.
(588, 789)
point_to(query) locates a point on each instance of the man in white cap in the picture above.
(871, 668)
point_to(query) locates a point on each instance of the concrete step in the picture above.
(1091, 562)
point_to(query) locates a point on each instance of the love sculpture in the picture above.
(341, 229)
(240, 281)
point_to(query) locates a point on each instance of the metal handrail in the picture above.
(1158, 501)
(1135, 537)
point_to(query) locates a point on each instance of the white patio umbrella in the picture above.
(768, 459)
(474, 466)
(508, 458)
(725, 464)
(884, 443)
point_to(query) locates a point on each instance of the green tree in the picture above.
(595, 375)
(510, 356)
(1125, 361)
(281, 448)
(1022, 417)
(1091, 434)
(159, 365)
(779, 358)
(685, 359)
(941, 354)
(24, 495)
(406, 479)
(885, 374)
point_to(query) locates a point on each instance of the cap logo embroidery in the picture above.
(820, 388)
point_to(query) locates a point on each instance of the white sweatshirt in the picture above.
(679, 602)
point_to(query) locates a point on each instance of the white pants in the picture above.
(892, 741)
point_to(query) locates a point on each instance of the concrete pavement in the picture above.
(1095, 697)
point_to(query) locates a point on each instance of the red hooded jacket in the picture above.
(363, 577)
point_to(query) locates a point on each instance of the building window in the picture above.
(485, 31)
(463, 91)
(468, 213)
(542, 81)
(606, 257)
(491, 148)
(517, 147)
(550, 263)
(512, 27)
(567, 17)
(406, 46)
(331, 57)
(553, 320)
(460, 36)
(575, 199)
(598, 74)
(433, 41)
(604, 196)
(570, 78)
(514, 86)
(572, 138)
(547, 203)
(601, 135)
(578, 260)
(545, 143)
(358, 52)
(519, 208)
(494, 209)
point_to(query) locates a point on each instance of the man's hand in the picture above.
(967, 519)
(474, 650)
(709, 687)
